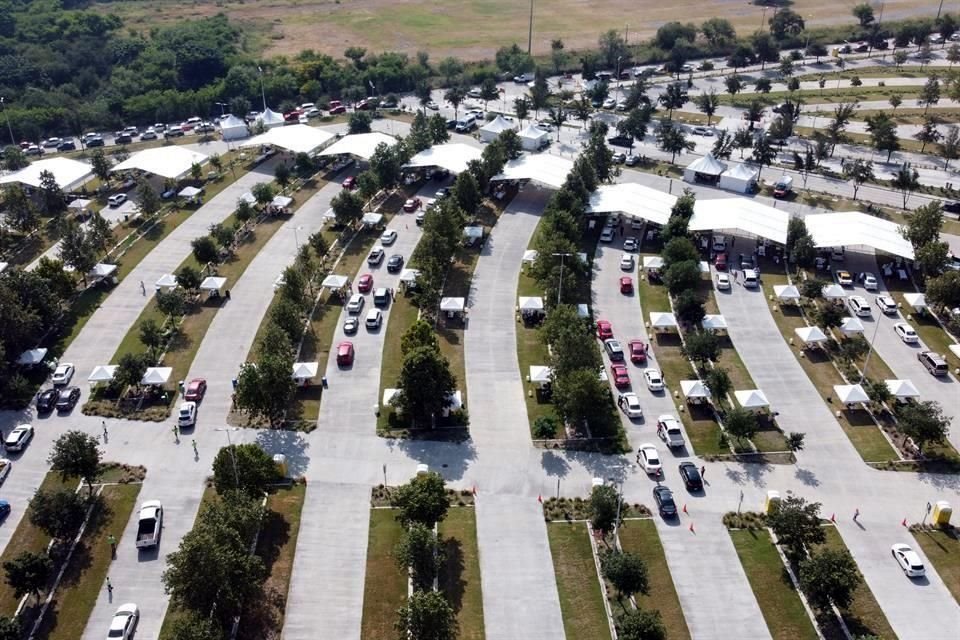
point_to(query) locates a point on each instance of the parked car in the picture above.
(122, 137)
(627, 262)
(631, 244)
(720, 262)
(632, 160)
(604, 329)
(629, 403)
(373, 320)
(844, 279)
(355, 304)
(117, 199)
(17, 439)
(869, 281)
(619, 158)
(173, 132)
(124, 622)
(365, 283)
(412, 204)
(668, 428)
(63, 374)
(702, 131)
(150, 524)
(933, 362)
(621, 377)
(47, 400)
(906, 333)
(334, 110)
(691, 476)
(395, 263)
(433, 106)
(620, 141)
(723, 282)
(638, 351)
(664, 499)
(345, 354)
(388, 237)
(654, 379)
(626, 285)
(376, 256)
(523, 78)
(187, 417)
(606, 235)
(67, 399)
(67, 145)
(909, 560)
(614, 349)
(195, 390)
(886, 304)
(650, 459)
(350, 182)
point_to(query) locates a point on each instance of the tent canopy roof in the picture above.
(297, 138)
(540, 374)
(79, 204)
(751, 398)
(102, 373)
(741, 172)
(694, 389)
(32, 356)
(661, 320)
(544, 168)
(361, 145)
(66, 172)
(305, 370)
(156, 375)
(269, 116)
(452, 304)
(169, 162)
(532, 303)
(532, 132)
(916, 300)
(333, 281)
(409, 275)
(851, 325)
(740, 214)
(189, 192)
(281, 201)
(652, 262)
(833, 291)
(786, 292)
(633, 199)
(213, 283)
(811, 334)
(707, 165)
(852, 228)
(167, 280)
(850, 393)
(902, 388)
(530, 255)
(713, 321)
(232, 122)
(499, 124)
(103, 270)
(473, 232)
(372, 218)
(452, 156)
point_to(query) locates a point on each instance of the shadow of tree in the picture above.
(450, 579)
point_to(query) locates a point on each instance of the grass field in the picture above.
(472, 29)
(942, 549)
(385, 589)
(459, 577)
(581, 601)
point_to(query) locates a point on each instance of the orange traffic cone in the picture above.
(691, 528)
(474, 491)
(904, 522)
(540, 499)
(833, 518)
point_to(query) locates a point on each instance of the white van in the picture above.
(859, 305)
(751, 279)
(466, 124)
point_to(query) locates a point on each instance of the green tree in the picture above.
(76, 249)
(21, 215)
(422, 500)
(688, 306)
(765, 48)
(425, 386)
(51, 194)
(264, 389)
(640, 624)
(786, 70)
(858, 172)
(263, 193)
(99, 232)
(740, 423)
(205, 250)
(130, 370)
(743, 139)
(427, 616)
(719, 32)
(191, 625)
(636, 123)
(151, 336)
(626, 572)
(147, 199)
(189, 278)
(895, 101)
(900, 57)
(244, 467)
(9, 629)
(723, 145)
(578, 396)
(61, 283)
(679, 250)
(557, 55)
(763, 85)
(828, 316)
(924, 226)
(864, 14)
(701, 347)
(14, 159)
(672, 139)
(282, 174)
(923, 422)
(489, 91)
(58, 513)
(347, 207)
(466, 191)
(605, 504)
(829, 578)
(763, 152)
(359, 122)
(708, 102)
(100, 166)
(419, 335)
(883, 133)
(786, 22)
(172, 304)
(797, 526)
(673, 98)
(544, 428)
(718, 381)
(681, 276)
(950, 145)
(420, 552)
(928, 133)
(944, 290)
(734, 84)
(930, 94)
(906, 181)
(28, 573)
(521, 107)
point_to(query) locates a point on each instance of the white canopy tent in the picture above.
(102, 270)
(334, 281)
(297, 138)
(3, 266)
(633, 199)
(102, 373)
(453, 305)
(530, 304)
(707, 166)
(739, 177)
(662, 320)
(653, 262)
(32, 357)
(713, 322)
(916, 300)
(753, 399)
(156, 376)
(371, 219)
(271, 119)
(247, 197)
(742, 215)
(189, 192)
(583, 311)
(901, 389)
(475, 233)
(68, 174)
(544, 168)
(786, 292)
(853, 229)
(281, 201)
(533, 138)
(305, 370)
(833, 292)
(80, 204)
(361, 145)
(530, 255)
(409, 276)
(851, 326)
(233, 128)
(166, 281)
(811, 335)
(490, 131)
(955, 349)
(452, 156)
(850, 393)
(171, 162)
(213, 283)
(388, 396)
(694, 389)
(540, 375)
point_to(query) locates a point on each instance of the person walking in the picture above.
(194, 443)
(105, 434)
(176, 434)
(703, 472)
(109, 588)
(113, 545)
(143, 288)
(856, 514)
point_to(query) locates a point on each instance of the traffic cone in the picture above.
(904, 522)
(691, 528)
(833, 518)
(474, 491)
(540, 499)
(685, 509)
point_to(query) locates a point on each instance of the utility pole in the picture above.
(233, 454)
(262, 92)
(560, 288)
(530, 32)
(940, 9)
(866, 360)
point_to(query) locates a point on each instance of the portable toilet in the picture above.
(280, 461)
(941, 513)
(772, 503)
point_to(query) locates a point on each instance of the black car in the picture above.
(67, 145)
(122, 138)
(46, 400)
(621, 141)
(951, 206)
(395, 263)
(94, 142)
(691, 476)
(69, 396)
(665, 504)
(451, 124)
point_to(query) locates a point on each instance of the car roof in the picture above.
(343, 346)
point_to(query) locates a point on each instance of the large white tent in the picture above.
(833, 291)
(707, 167)
(739, 177)
(334, 281)
(156, 375)
(490, 131)
(850, 393)
(452, 156)
(544, 168)
(298, 138)
(752, 399)
(270, 119)
(713, 322)
(232, 128)
(742, 215)
(694, 389)
(855, 229)
(305, 370)
(811, 335)
(662, 320)
(169, 162)
(533, 138)
(901, 389)
(540, 375)
(851, 326)
(916, 300)
(102, 373)
(530, 303)
(361, 145)
(633, 199)
(786, 292)
(32, 357)
(68, 173)
(453, 305)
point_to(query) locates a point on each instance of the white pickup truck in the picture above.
(668, 428)
(151, 522)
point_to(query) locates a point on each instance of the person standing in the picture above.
(113, 545)
(109, 588)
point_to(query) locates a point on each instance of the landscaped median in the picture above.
(941, 545)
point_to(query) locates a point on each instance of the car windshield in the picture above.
(652, 459)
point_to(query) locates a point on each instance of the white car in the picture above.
(350, 325)
(374, 319)
(631, 244)
(630, 404)
(63, 374)
(388, 238)
(124, 622)
(433, 106)
(17, 439)
(117, 199)
(668, 428)
(906, 333)
(188, 415)
(607, 235)
(702, 131)
(723, 282)
(654, 379)
(649, 459)
(355, 304)
(626, 262)
(887, 304)
(869, 281)
(5, 466)
(908, 560)
(609, 103)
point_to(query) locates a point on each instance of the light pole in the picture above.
(13, 140)
(562, 256)
(866, 361)
(262, 92)
(223, 108)
(616, 522)
(233, 454)
(530, 32)
(619, 58)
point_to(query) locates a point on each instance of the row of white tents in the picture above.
(532, 137)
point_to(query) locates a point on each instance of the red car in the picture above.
(365, 283)
(337, 109)
(638, 351)
(292, 116)
(720, 262)
(604, 330)
(345, 354)
(349, 182)
(195, 390)
(626, 284)
(621, 377)
(412, 205)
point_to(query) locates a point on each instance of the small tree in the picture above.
(359, 122)
(28, 573)
(829, 578)
(130, 370)
(641, 624)
(172, 304)
(76, 455)
(147, 198)
(58, 513)
(797, 525)
(151, 336)
(906, 181)
(190, 625)
(708, 102)
(425, 385)
(427, 616)
(923, 422)
(205, 250)
(944, 290)
(682, 276)
(9, 629)
(812, 289)
(863, 13)
(545, 428)
(264, 390)
(740, 423)
(858, 172)
(626, 572)
(263, 193)
(828, 316)
(423, 499)
(244, 467)
(282, 174)
(347, 207)
(688, 306)
(718, 381)
(604, 501)
(702, 347)
(795, 440)
(466, 191)
(950, 145)
(419, 552)
(189, 278)
(100, 166)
